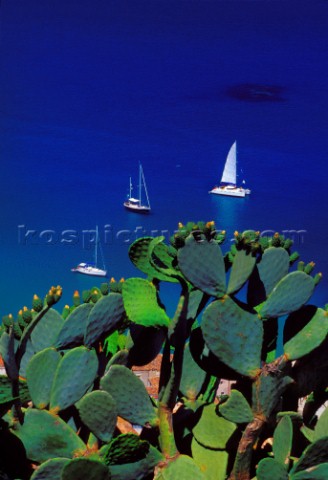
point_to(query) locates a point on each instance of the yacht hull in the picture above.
(136, 208)
(92, 271)
(230, 191)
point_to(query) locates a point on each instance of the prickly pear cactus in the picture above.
(72, 404)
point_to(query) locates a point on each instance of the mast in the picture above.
(130, 188)
(145, 186)
(96, 246)
(140, 172)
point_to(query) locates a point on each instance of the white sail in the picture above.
(230, 172)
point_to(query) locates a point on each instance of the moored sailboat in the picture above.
(228, 185)
(92, 268)
(136, 204)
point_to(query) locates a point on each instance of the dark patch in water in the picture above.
(253, 92)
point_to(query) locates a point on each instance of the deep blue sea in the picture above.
(90, 88)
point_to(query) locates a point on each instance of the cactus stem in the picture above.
(241, 468)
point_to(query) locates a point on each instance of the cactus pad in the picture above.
(282, 441)
(137, 470)
(318, 472)
(293, 291)
(50, 470)
(236, 409)
(267, 391)
(274, 265)
(139, 256)
(46, 331)
(321, 428)
(233, 335)
(85, 469)
(104, 318)
(40, 373)
(203, 265)
(310, 337)
(126, 448)
(241, 270)
(192, 378)
(46, 436)
(312, 456)
(182, 468)
(72, 331)
(269, 469)
(7, 352)
(213, 463)
(74, 375)
(141, 305)
(132, 400)
(99, 413)
(212, 430)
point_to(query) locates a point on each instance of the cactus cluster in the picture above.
(71, 406)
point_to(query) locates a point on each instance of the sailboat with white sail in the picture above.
(228, 184)
(136, 204)
(93, 268)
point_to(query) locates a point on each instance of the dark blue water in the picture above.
(88, 89)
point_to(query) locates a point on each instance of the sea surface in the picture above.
(89, 89)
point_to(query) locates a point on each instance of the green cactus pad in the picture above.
(126, 448)
(147, 343)
(233, 335)
(310, 337)
(47, 329)
(267, 391)
(72, 331)
(212, 430)
(241, 270)
(104, 318)
(236, 409)
(46, 436)
(85, 469)
(7, 352)
(74, 375)
(50, 470)
(274, 265)
(282, 441)
(318, 472)
(141, 305)
(161, 260)
(28, 354)
(182, 468)
(40, 373)
(139, 256)
(132, 400)
(321, 428)
(120, 358)
(99, 413)
(197, 300)
(293, 291)
(207, 360)
(269, 469)
(213, 463)
(202, 264)
(193, 376)
(137, 470)
(312, 456)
